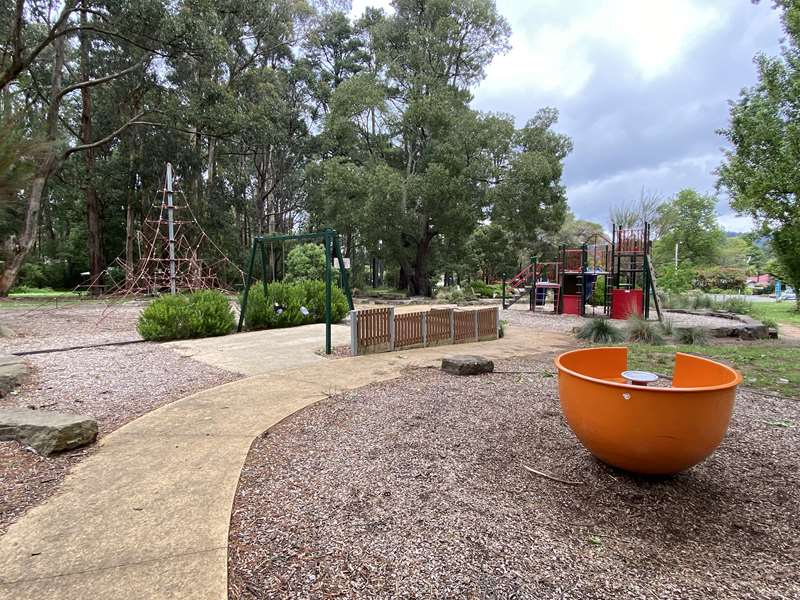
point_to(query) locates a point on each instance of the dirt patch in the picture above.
(415, 488)
(113, 384)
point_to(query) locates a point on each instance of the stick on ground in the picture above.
(551, 477)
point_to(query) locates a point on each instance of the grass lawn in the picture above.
(34, 297)
(780, 312)
(45, 293)
(764, 366)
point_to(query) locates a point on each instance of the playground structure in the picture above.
(568, 285)
(332, 250)
(648, 430)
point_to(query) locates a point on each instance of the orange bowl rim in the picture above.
(660, 390)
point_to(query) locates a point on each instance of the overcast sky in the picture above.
(641, 86)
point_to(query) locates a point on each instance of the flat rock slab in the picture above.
(467, 365)
(13, 371)
(45, 431)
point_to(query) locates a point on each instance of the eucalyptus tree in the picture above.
(45, 65)
(430, 168)
(760, 168)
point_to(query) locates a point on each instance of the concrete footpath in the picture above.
(147, 515)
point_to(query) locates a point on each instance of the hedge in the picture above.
(283, 306)
(197, 314)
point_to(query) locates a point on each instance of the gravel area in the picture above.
(79, 324)
(541, 321)
(415, 489)
(684, 320)
(113, 384)
(522, 317)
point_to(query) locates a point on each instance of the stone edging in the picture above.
(13, 371)
(744, 328)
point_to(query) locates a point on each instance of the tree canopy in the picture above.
(278, 115)
(760, 168)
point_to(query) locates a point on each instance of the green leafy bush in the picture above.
(198, 314)
(691, 335)
(306, 261)
(675, 280)
(722, 278)
(600, 331)
(484, 290)
(283, 306)
(640, 330)
(598, 292)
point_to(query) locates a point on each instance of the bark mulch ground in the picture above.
(113, 384)
(415, 489)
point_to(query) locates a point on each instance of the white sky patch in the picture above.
(592, 199)
(359, 5)
(556, 56)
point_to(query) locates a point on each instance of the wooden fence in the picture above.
(381, 330)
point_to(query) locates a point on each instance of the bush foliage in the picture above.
(198, 314)
(642, 331)
(307, 261)
(691, 335)
(600, 331)
(283, 306)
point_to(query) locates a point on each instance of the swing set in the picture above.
(333, 250)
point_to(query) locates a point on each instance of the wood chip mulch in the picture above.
(416, 489)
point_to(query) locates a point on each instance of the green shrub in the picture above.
(307, 261)
(771, 323)
(600, 331)
(701, 301)
(676, 281)
(599, 291)
(198, 314)
(738, 306)
(453, 294)
(640, 330)
(691, 335)
(284, 303)
(483, 290)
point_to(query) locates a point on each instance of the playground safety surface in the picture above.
(147, 514)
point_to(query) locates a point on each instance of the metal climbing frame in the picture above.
(332, 250)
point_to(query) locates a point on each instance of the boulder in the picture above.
(45, 431)
(13, 370)
(467, 365)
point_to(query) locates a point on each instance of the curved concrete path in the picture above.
(147, 515)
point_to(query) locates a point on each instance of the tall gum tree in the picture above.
(760, 169)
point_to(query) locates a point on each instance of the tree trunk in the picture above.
(419, 284)
(93, 221)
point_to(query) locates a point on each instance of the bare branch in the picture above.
(99, 80)
(106, 139)
(19, 63)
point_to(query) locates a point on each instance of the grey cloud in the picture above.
(660, 134)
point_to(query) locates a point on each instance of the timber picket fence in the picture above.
(381, 330)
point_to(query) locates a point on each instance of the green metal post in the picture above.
(247, 281)
(504, 291)
(584, 258)
(646, 276)
(264, 268)
(328, 240)
(345, 276)
(534, 264)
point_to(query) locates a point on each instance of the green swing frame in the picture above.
(333, 250)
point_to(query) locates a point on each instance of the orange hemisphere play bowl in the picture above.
(649, 430)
